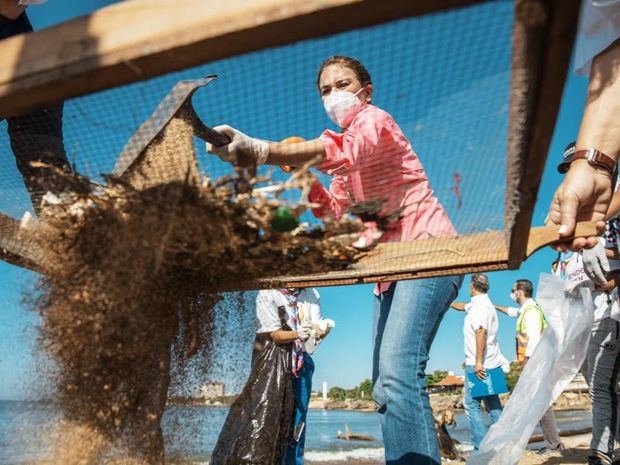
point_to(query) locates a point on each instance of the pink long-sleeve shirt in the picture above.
(373, 160)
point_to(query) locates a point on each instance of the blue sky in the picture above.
(345, 357)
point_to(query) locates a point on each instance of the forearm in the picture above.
(501, 308)
(612, 282)
(612, 253)
(458, 306)
(599, 128)
(481, 344)
(283, 337)
(295, 154)
(11, 9)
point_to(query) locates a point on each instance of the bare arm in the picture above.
(283, 337)
(612, 253)
(481, 344)
(11, 9)
(501, 308)
(612, 282)
(295, 154)
(458, 306)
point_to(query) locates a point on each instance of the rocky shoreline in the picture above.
(566, 401)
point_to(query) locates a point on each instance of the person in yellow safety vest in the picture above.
(531, 311)
(531, 323)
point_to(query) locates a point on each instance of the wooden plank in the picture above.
(543, 37)
(16, 247)
(404, 260)
(473, 253)
(136, 40)
(388, 262)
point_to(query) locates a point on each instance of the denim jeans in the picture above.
(406, 319)
(36, 136)
(473, 410)
(602, 372)
(302, 388)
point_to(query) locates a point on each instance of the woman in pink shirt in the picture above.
(372, 160)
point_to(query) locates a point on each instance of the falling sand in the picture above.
(132, 273)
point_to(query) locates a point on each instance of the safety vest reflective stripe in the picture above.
(522, 338)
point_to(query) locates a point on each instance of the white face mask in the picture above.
(342, 106)
(513, 296)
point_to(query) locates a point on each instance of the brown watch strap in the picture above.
(596, 158)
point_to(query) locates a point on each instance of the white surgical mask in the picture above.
(513, 296)
(342, 106)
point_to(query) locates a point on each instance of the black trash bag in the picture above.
(260, 421)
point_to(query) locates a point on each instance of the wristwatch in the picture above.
(597, 159)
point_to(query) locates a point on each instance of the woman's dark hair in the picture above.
(358, 68)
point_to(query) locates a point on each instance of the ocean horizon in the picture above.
(191, 432)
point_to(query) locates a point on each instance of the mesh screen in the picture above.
(443, 77)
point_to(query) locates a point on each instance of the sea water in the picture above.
(191, 432)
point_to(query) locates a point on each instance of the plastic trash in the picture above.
(260, 421)
(553, 365)
(313, 342)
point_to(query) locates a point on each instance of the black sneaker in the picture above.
(599, 458)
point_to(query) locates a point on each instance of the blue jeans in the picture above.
(473, 409)
(37, 135)
(302, 388)
(406, 319)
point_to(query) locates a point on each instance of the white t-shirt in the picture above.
(480, 313)
(599, 27)
(268, 301)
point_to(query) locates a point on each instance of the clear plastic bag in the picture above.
(553, 365)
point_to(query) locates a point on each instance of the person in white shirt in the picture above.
(303, 310)
(531, 323)
(481, 354)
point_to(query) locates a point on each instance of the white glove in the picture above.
(595, 263)
(304, 331)
(326, 326)
(242, 150)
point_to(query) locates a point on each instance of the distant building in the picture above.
(324, 390)
(450, 383)
(211, 390)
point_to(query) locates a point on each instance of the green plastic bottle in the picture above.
(284, 220)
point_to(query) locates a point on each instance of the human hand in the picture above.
(318, 332)
(608, 286)
(596, 264)
(584, 195)
(304, 331)
(324, 327)
(242, 150)
(480, 371)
